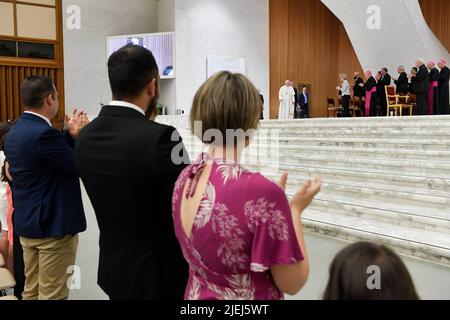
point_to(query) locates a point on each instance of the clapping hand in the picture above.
(304, 196)
(76, 122)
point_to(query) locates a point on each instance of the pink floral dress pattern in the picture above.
(243, 227)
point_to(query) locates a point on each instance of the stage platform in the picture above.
(385, 180)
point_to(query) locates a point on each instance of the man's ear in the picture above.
(151, 88)
(49, 100)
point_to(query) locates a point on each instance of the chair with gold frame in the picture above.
(357, 107)
(408, 102)
(396, 102)
(333, 110)
(392, 101)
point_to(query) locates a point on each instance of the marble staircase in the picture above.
(385, 180)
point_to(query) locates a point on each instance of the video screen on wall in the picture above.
(160, 44)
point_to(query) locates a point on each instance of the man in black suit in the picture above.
(444, 77)
(421, 82)
(304, 103)
(402, 81)
(358, 90)
(129, 166)
(384, 81)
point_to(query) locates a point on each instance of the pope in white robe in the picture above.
(287, 102)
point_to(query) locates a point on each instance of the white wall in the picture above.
(86, 78)
(404, 36)
(166, 23)
(231, 27)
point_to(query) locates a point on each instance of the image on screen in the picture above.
(160, 44)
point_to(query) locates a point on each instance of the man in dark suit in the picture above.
(358, 90)
(421, 83)
(382, 83)
(129, 166)
(304, 103)
(47, 198)
(402, 81)
(444, 77)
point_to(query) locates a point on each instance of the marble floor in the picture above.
(432, 281)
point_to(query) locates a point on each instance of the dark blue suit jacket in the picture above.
(46, 186)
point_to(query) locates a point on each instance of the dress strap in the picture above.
(194, 174)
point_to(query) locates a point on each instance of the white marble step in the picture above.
(416, 168)
(406, 184)
(428, 245)
(436, 207)
(405, 154)
(185, 118)
(399, 154)
(357, 121)
(398, 133)
(336, 125)
(286, 150)
(380, 134)
(426, 144)
(407, 208)
(352, 142)
(387, 216)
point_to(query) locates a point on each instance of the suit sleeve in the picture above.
(444, 75)
(170, 160)
(388, 80)
(401, 80)
(56, 153)
(369, 85)
(421, 75)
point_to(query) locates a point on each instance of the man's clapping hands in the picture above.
(76, 122)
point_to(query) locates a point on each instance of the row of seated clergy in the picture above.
(6, 281)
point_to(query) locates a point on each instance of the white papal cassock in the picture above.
(287, 102)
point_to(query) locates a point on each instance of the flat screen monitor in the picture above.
(160, 44)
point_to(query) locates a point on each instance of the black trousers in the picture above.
(383, 104)
(422, 103)
(346, 106)
(19, 267)
(304, 111)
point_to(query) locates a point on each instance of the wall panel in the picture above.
(436, 14)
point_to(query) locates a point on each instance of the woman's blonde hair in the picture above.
(226, 101)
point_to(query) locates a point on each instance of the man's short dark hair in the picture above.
(130, 70)
(35, 89)
(386, 70)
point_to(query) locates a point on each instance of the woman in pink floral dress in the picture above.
(241, 237)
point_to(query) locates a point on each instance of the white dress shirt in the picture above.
(40, 116)
(126, 105)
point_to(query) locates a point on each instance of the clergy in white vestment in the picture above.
(287, 102)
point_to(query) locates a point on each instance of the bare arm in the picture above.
(291, 278)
